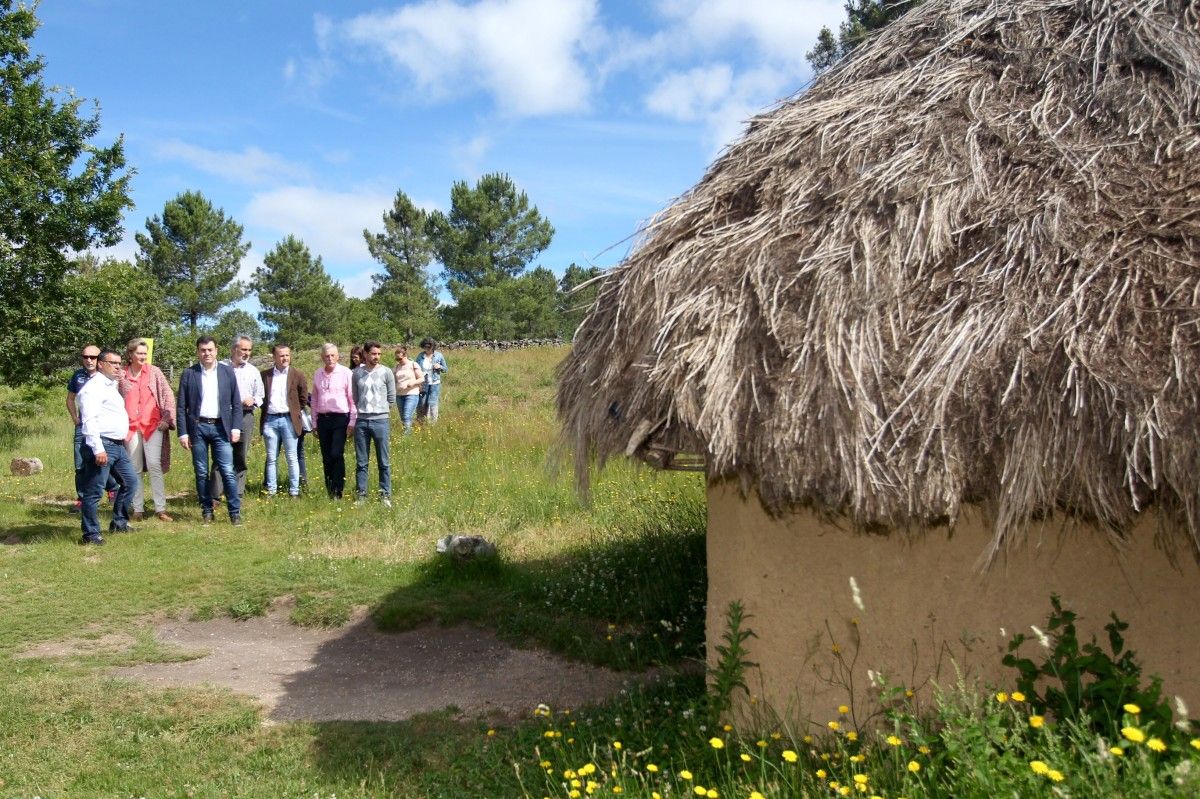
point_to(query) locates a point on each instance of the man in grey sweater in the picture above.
(374, 388)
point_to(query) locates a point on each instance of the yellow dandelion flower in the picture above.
(861, 779)
(1133, 734)
(756, 795)
(852, 736)
(576, 784)
(857, 758)
(617, 745)
(1116, 751)
(569, 774)
(843, 709)
(790, 756)
(545, 764)
(1055, 775)
(1130, 707)
(1195, 743)
(914, 766)
(894, 741)
(745, 757)
(574, 794)
(775, 736)
(685, 775)
(653, 769)
(1156, 744)
(825, 756)
(761, 744)
(833, 725)
(618, 789)
(716, 743)
(822, 773)
(727, 727)
(1017, 696)
(1038, 767)
(844, 790)
(712, 793)
(655, 795)
(1002, 697)
(923, 749)
(590, 768)
(700, 790)
(908, 693)
(1036, 722)
(491, 733)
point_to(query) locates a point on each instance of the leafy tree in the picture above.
(573, 301)
(233, 323)
(523, 307)
(194, 250)
(299, 298)
(490, 234)
(58, 193)
(405, 250)
(863, 17)
(363, 320)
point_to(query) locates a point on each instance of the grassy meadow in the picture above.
(619, 582)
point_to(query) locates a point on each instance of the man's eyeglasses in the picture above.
(89, 357)
(112, 363)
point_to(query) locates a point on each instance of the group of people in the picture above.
(124, 408)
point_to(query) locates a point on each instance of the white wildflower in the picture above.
(1003, 633)
(1181, 710)
(1043, 639)
(855, 595)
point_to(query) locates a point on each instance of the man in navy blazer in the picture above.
(208, 412)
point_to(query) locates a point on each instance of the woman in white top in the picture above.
(409, 379)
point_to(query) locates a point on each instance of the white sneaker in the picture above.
(387, 502)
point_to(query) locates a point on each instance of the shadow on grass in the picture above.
(38, 532)
(628, 603)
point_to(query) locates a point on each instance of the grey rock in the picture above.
(23, 467)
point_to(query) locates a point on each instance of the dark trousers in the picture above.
(80, 448)
(331, 433)
(94, 478)
(216, 484)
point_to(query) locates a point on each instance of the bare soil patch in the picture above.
(357, 673)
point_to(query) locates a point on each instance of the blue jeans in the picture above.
(94, 477)
(427, 405)
(111, 485)
(278, 428)
(213, 436)
(365, 431)
(407, 405)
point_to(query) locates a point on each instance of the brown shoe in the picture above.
(138, 516)
(163, 516)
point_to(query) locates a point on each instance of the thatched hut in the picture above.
(933, 324)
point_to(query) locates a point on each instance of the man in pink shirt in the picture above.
(335, 412)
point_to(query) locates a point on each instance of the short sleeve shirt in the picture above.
(77, 382)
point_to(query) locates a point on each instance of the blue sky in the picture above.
(305, 118)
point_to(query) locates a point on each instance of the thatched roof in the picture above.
(964, 266)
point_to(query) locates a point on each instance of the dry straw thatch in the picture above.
(963, 267)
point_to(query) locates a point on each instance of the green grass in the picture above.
(620, 582)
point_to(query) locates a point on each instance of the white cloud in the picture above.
(469, 155)
(252, 165)
(526, 53)
(782, 30)
(329, 222)
(717, 96)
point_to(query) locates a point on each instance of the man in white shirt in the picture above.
(208, 413)
(250, 385)
(104, 425)
(281, 424)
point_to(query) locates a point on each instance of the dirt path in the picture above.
(357, 673)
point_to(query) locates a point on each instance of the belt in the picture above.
(209, 419)
(279, 414)
(117, 441)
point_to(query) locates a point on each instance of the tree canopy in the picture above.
(195, 251)
(58, 192)
(299, 299)
(405, 250)
(491, 233)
